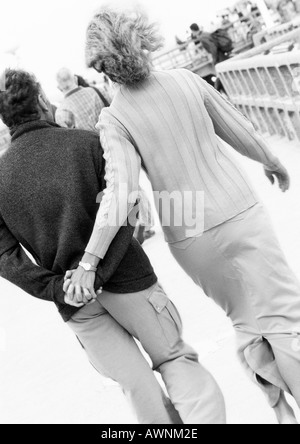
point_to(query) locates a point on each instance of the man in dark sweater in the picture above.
(49, 182)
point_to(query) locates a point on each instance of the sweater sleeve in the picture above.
(122, 172)
(235, 129)
(17, 268)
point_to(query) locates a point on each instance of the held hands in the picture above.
(79, 288)
(282, 176)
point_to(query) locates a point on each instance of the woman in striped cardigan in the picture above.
(174, 125)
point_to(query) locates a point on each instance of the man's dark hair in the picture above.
(195, 27)
(19, 100)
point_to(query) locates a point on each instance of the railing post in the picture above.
(273, 103)
(265, 12)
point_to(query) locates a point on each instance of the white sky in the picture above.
(51, 33)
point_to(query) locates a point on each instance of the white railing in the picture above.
(187, 56)
(275, 32)
(264, 84)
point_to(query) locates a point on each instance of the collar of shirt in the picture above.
(34, 125)
(74, 91)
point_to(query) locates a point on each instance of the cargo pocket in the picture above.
(168, 316)
(174, 313)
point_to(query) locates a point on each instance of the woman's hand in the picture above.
(79, 287)
(282, 176)
(72, 303)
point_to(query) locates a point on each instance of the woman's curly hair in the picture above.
(120, 45)
(19, 100)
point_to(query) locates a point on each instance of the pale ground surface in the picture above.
(45, 378)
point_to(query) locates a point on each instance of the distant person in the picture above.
(196, 37)
(81, 107)
(84, 84)
(226, 22)
(218, 44)
(196, 33)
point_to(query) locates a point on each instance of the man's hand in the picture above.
(282, 176)
(72, 303)
(79, 287)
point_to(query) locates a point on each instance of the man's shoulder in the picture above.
(55, 135)
(51, 135)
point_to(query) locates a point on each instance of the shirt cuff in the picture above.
(100, 241)
(276, 166)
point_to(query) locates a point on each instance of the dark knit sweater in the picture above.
(49, 182)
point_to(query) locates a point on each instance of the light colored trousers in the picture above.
(106, 330)
(241, 266)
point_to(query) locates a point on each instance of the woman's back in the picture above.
(167, 120)
(169, 125)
